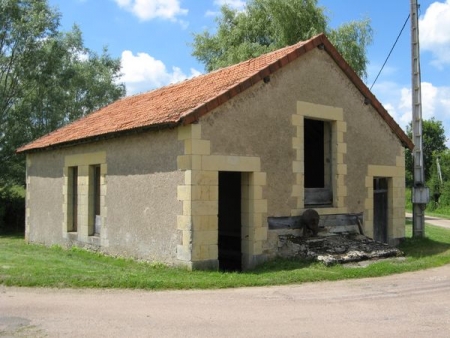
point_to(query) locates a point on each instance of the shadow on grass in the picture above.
(13, 235)
(423, 247)
(282, 264)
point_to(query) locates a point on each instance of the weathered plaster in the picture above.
(396, 198)
(200, 194)
(266, 122)
(84, 163)
(140, 195)
(265, 112)
(162, 187)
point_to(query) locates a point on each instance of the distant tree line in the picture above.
(48, 78)
(267, 25)
(434, 148)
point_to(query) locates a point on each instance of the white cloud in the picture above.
(430, 101)
(236, 4)
(233, 4)
(81, 56)
(212, 13)
(398, 102)
(142, 72)
(152, 9)
(434, 28)
(184, 24)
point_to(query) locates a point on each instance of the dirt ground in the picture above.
(406, 305)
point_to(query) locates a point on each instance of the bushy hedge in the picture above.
(12, 209)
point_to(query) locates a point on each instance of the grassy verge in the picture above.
(431, 210)
(34, 265)
(438, 213)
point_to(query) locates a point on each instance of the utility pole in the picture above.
(420, 193)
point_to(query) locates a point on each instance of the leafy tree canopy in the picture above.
(267, 25)
(433, 143)
(440, 190)
(47, 79)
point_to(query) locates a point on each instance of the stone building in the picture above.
(189, 174)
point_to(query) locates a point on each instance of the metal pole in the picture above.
(438, 165)
(420, 193)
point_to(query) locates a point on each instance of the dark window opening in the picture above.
(95, 222)
(97, 190)
(317, 163)
(314, 154)
(73, 199)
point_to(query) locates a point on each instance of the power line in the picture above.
(395, 43)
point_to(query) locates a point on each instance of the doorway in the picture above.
(380, 209)
(230, 253)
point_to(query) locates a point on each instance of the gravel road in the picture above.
(407, 305)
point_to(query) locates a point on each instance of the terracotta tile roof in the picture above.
(186, 102)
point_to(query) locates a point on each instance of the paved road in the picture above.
(441, 222)
(407, 305)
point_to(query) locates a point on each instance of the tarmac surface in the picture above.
(406, 305)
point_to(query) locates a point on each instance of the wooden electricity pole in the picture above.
(420, 193)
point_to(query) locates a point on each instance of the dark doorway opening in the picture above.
(380, 209)
(230, 255)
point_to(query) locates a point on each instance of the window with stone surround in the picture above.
(94, 199)
(318, 162)
(72, 203)
(85, 189)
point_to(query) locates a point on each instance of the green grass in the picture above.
(442, 211)
(24, 264)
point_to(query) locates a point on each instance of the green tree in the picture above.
(24, 28)
(440, 191)
(433, 143)
(267, 25)
(48, 78)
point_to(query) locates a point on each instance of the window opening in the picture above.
(314, 154)
(73, 199)
(95, 221)
(317, 162)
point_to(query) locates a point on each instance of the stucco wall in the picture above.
(141, 196)
(44, 199)
(258, 123)
(161, 188)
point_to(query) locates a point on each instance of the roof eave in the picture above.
(193, 115)
(96, 138)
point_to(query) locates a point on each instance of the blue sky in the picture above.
(152, 38)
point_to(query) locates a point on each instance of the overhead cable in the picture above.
(395, 43)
